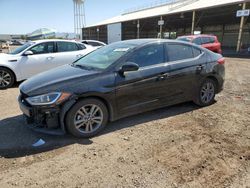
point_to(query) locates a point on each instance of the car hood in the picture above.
(63, 78)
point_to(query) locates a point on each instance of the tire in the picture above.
(206, 93)
(7, 78)
(80, 122)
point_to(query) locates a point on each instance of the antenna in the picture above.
(79, 16)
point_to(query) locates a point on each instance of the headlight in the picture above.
(48, 99)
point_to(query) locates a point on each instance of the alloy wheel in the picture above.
(5, 79)
(88, 118)
(207, 92)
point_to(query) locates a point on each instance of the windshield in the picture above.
(21, 48)
(105, 56)
(186, 39)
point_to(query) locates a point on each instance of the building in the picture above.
(6, 37)
(42, 33)
(179, 17)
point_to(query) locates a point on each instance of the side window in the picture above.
(43, 48)
(179, 52)
(66, 47)
(81, 46)
(196, 52)
(197, 41)
(212, 40)
(205, 40)
(149, 55)
(95, 44)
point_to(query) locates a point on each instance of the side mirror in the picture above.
(27, 53)
(128, 67)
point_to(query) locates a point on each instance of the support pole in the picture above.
(74, 17)
(241, 29)
(98, 33)
(138, 29)
(161, 29)
(193, 23)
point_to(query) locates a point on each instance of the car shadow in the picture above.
(17, 140)
(15, 85)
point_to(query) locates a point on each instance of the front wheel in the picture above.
(206, 93)
(7, 78)
(87, 118)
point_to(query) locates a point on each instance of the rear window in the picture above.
(179, 52)
(95, 44)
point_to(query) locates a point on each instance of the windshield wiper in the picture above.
(85, 67)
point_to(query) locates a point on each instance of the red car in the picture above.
(206, 41)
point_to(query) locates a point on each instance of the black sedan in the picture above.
(120, 80)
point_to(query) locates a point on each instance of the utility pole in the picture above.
(138, 29)
(193, 23)
(241, 29)
(161, 23)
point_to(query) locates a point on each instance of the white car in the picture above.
(94, 43)
(38, 56)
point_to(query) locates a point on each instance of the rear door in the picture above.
(68, 52)
(141, 90)
(187, 64)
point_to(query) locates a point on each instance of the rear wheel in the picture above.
(87, 118)
(206, 93)
(7, 78)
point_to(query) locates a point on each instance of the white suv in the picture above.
(38, 56)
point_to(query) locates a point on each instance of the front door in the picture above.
(43, 59)
(141, 90)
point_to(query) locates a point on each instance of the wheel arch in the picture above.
(68, 105)
(212, 77)
(104, 101)
(15, 78)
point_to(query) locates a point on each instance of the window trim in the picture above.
(29, 49)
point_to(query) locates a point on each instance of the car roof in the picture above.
(93, 41)
(141, 42)
(196, 36)
(53, 40)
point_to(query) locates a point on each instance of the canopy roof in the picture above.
(42, 32)
(177, 6)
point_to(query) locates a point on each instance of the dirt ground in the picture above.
(178, 146)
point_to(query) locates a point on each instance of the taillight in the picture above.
(221, 61)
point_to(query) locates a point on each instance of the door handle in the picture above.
(200, 67)
(162, 76)
(79, 55)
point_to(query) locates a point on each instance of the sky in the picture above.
(25, 16)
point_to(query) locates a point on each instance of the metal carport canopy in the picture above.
(179, 7)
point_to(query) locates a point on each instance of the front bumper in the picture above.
(44, 119)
